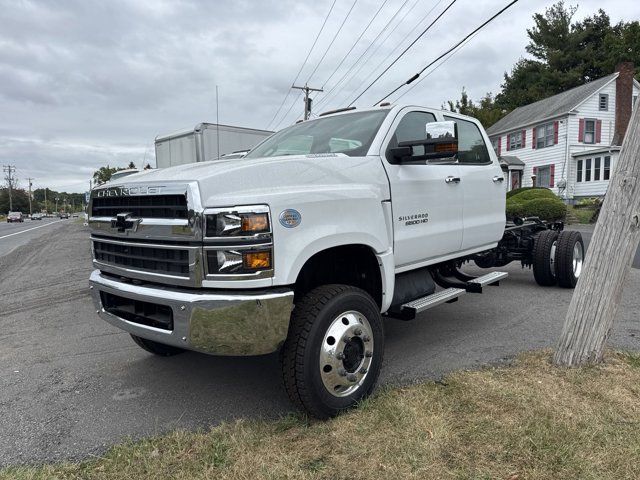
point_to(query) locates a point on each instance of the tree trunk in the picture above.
(615, 239)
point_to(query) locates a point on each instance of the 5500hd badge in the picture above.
(414, 219)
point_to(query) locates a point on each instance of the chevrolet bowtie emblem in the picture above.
(124, 223)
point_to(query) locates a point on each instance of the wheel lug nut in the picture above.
(357, 332)
(363, 370)
(342, 372)
(352, 378)
(366, 338)
(368, 354)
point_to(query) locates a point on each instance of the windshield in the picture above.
(350, 134)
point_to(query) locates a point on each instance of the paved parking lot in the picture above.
(72, 385)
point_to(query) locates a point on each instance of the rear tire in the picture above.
(544, 258)
(333, 353)
(569, 258)
(156, 348)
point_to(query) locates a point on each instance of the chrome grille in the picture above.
(149, 206)
(140, 257)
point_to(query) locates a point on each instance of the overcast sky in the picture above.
(89, 83)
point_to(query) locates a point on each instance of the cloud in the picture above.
(86, 83)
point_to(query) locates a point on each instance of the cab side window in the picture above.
(471, 146)
(411, 128)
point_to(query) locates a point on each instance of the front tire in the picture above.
(156, 348)
(569, 258)
(333, 353)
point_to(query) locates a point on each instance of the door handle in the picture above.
(452, 179)
(498, 179)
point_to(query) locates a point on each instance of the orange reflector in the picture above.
(255, 223)
(446, 147)
(257, 260)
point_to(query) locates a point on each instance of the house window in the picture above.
(515, 141)
(579, 174)
(589, 131)
(603, 102)
(543, 177)
(587, 170)
(544, 135)
(596, 169)
(607, 168)
(635, 97)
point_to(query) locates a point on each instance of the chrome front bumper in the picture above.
(221, 323)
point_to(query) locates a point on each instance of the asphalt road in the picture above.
(12, 235)
(71, 385)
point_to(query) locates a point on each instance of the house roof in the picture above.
(511, 162)
(550, 107)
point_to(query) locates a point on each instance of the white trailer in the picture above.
(201, 143)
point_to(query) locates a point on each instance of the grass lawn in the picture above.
(525, 421)
(582, 214)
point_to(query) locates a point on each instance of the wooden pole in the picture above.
(597, 296)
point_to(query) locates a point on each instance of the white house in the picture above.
(568, 142)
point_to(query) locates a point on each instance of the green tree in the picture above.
(19, 197)
(103, 174)
(486, 110)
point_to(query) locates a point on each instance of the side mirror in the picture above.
(441, 141)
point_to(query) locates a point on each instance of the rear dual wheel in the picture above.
(558, 258)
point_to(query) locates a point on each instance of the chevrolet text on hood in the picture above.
(310, 240)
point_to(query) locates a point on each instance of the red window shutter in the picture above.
(508, 142)
(499, 145)
(524, 138)
(552, 173)
(555, 132)
(581, 130)
(533, 138)
(598, 131)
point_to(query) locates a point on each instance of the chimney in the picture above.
(624, 94)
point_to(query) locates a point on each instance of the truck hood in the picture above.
(256, 180)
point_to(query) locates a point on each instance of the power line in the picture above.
(288, 111)
(350, 69)
(303, 63)
(375, 15)
(378, 47)
(332, 41)
(417, 75)
(404, 51)
(424, 77)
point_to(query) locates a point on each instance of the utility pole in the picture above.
(307, 101)
(46, 208)
(596, 298)
(57, 198)
(8, 170)
(30, 209)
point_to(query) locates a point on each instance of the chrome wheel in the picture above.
(346, 353)
(578, 259)
(552, 257)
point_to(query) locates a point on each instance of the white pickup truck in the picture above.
(304, 245)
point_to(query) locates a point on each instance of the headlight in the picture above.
(237, 222)
(239, 262)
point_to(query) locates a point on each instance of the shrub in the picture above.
(525, 189)
(533, 193)
(550, 209)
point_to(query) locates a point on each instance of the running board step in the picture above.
(492, 278)
(411, 309)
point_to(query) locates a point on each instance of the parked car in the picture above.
(36, 216)
(15, 217)
(63, 215)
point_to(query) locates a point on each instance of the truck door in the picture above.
(483, 186)
(426, 198)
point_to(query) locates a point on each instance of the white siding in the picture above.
(539, 157)
(568, 144)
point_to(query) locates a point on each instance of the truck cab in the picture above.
(303, 246)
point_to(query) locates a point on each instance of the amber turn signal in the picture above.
(447, 147)
(257, 260)
(256, 222)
